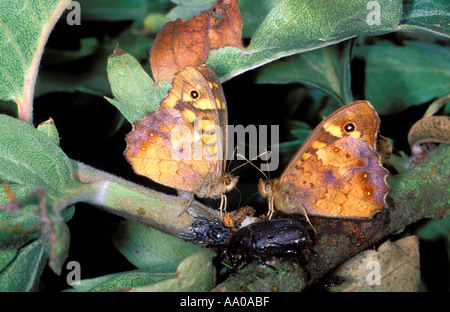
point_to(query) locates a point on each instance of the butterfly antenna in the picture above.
(267, 161)
(232, 157)
(250, 162)
(240, 197)
(256, 193)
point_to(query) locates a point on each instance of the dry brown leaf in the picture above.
(183, 44)
(425, 134)
(430, 129)
(394, 267)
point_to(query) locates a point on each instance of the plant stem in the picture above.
(131, 201)
(25, 104)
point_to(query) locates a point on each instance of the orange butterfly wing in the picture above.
(182, 144)
(337, 171)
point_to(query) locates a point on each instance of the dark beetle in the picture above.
(261, 241)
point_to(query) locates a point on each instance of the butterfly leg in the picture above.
(191, 199)
(223, 205)
(271, 210)
(307, 218)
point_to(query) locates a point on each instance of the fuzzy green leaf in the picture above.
(327, 69)
(427, 16)
(117, 281)
(135, 92)
(29, 157)
(20, 227)
(24, 269)
(149, 249)
(195, 273)
(24, 29)
(48, 127)
(295, 26)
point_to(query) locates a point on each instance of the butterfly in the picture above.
(183, 144)
(337, 172)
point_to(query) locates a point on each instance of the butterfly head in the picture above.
(270, 189)
(228, 182)
(266, 187)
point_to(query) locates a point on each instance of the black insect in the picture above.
(212, 233)
(261, 241)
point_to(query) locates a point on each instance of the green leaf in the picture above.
(326, 69)
(6, 257)
(33, 163)
(29, 157)
(119, 10)
(24, 269)
(427, 15)
(55, 235)
(400, 162)
(185, 9)
(48, 127)
(22, 226)
(395, 74)
(117, 281)
(435, 229)
(38, 209)
(253, 12)
(301, 134)
(149, 249)
(295, 26)
(135, 92)
(54, 75)
(8, 108)
(24, 29)
(195, 273)
(54, 57)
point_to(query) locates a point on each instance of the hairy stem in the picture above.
(131, 201)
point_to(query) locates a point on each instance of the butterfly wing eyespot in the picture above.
(349, 127)
(194, 94)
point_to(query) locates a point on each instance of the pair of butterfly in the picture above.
(336, 173)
